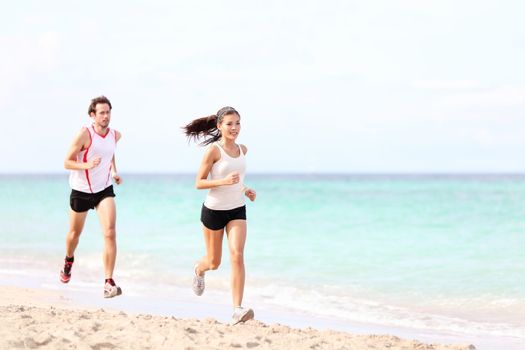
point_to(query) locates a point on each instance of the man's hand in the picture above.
(117, 179)
(93, 162)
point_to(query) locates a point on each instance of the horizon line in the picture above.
(311, 173)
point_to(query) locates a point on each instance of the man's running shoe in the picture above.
(241, 315)
(198, 282)
(65, 274)
(111, 291)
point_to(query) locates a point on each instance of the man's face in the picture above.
(102, 115)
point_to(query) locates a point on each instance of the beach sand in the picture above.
(45, 319)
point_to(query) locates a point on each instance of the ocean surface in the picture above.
(431, 252)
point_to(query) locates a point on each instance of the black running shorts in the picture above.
(218, 219)
(81, 201)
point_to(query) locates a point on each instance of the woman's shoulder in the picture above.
(244, 148)
(213, 152)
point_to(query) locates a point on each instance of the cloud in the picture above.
(438, 84)
(500, 96)
(27, 56)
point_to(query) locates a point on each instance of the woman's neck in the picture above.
(225, 143)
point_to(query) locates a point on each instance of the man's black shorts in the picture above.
(81, 201)
(217, 219)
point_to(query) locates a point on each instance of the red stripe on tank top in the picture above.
(87, 171)
(90, 138)
(85, 160)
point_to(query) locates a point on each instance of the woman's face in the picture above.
(230, 126)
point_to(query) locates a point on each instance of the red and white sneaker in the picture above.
(65, 274)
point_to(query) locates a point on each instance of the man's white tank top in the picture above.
(99, 178)
(228, 196)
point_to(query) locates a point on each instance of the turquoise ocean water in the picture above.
(436, 252)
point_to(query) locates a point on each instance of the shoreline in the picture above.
(174, 299)
(180, 303)
(48, 319)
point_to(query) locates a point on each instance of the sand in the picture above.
(43, 319)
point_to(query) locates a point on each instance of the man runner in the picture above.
(91, 159)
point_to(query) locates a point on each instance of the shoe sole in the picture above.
(64, 279)
(119, 292)
(246, 317)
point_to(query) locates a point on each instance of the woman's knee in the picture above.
(237, 258)
(110, 233)
(214, 263)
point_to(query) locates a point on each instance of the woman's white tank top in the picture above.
(228, 196)
(99, 178)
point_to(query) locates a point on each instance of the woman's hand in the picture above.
(232, 178)
(251, 194)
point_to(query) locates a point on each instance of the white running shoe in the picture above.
(241, 315)
(198, 282)
(111, 291)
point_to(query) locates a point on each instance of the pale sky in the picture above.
(321, 86)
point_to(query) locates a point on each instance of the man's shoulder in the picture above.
(83, 138)
(118, 134)
(84, 132)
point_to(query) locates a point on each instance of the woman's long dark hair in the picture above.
(206, 127)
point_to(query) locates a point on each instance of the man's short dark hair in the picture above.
(97, 100)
